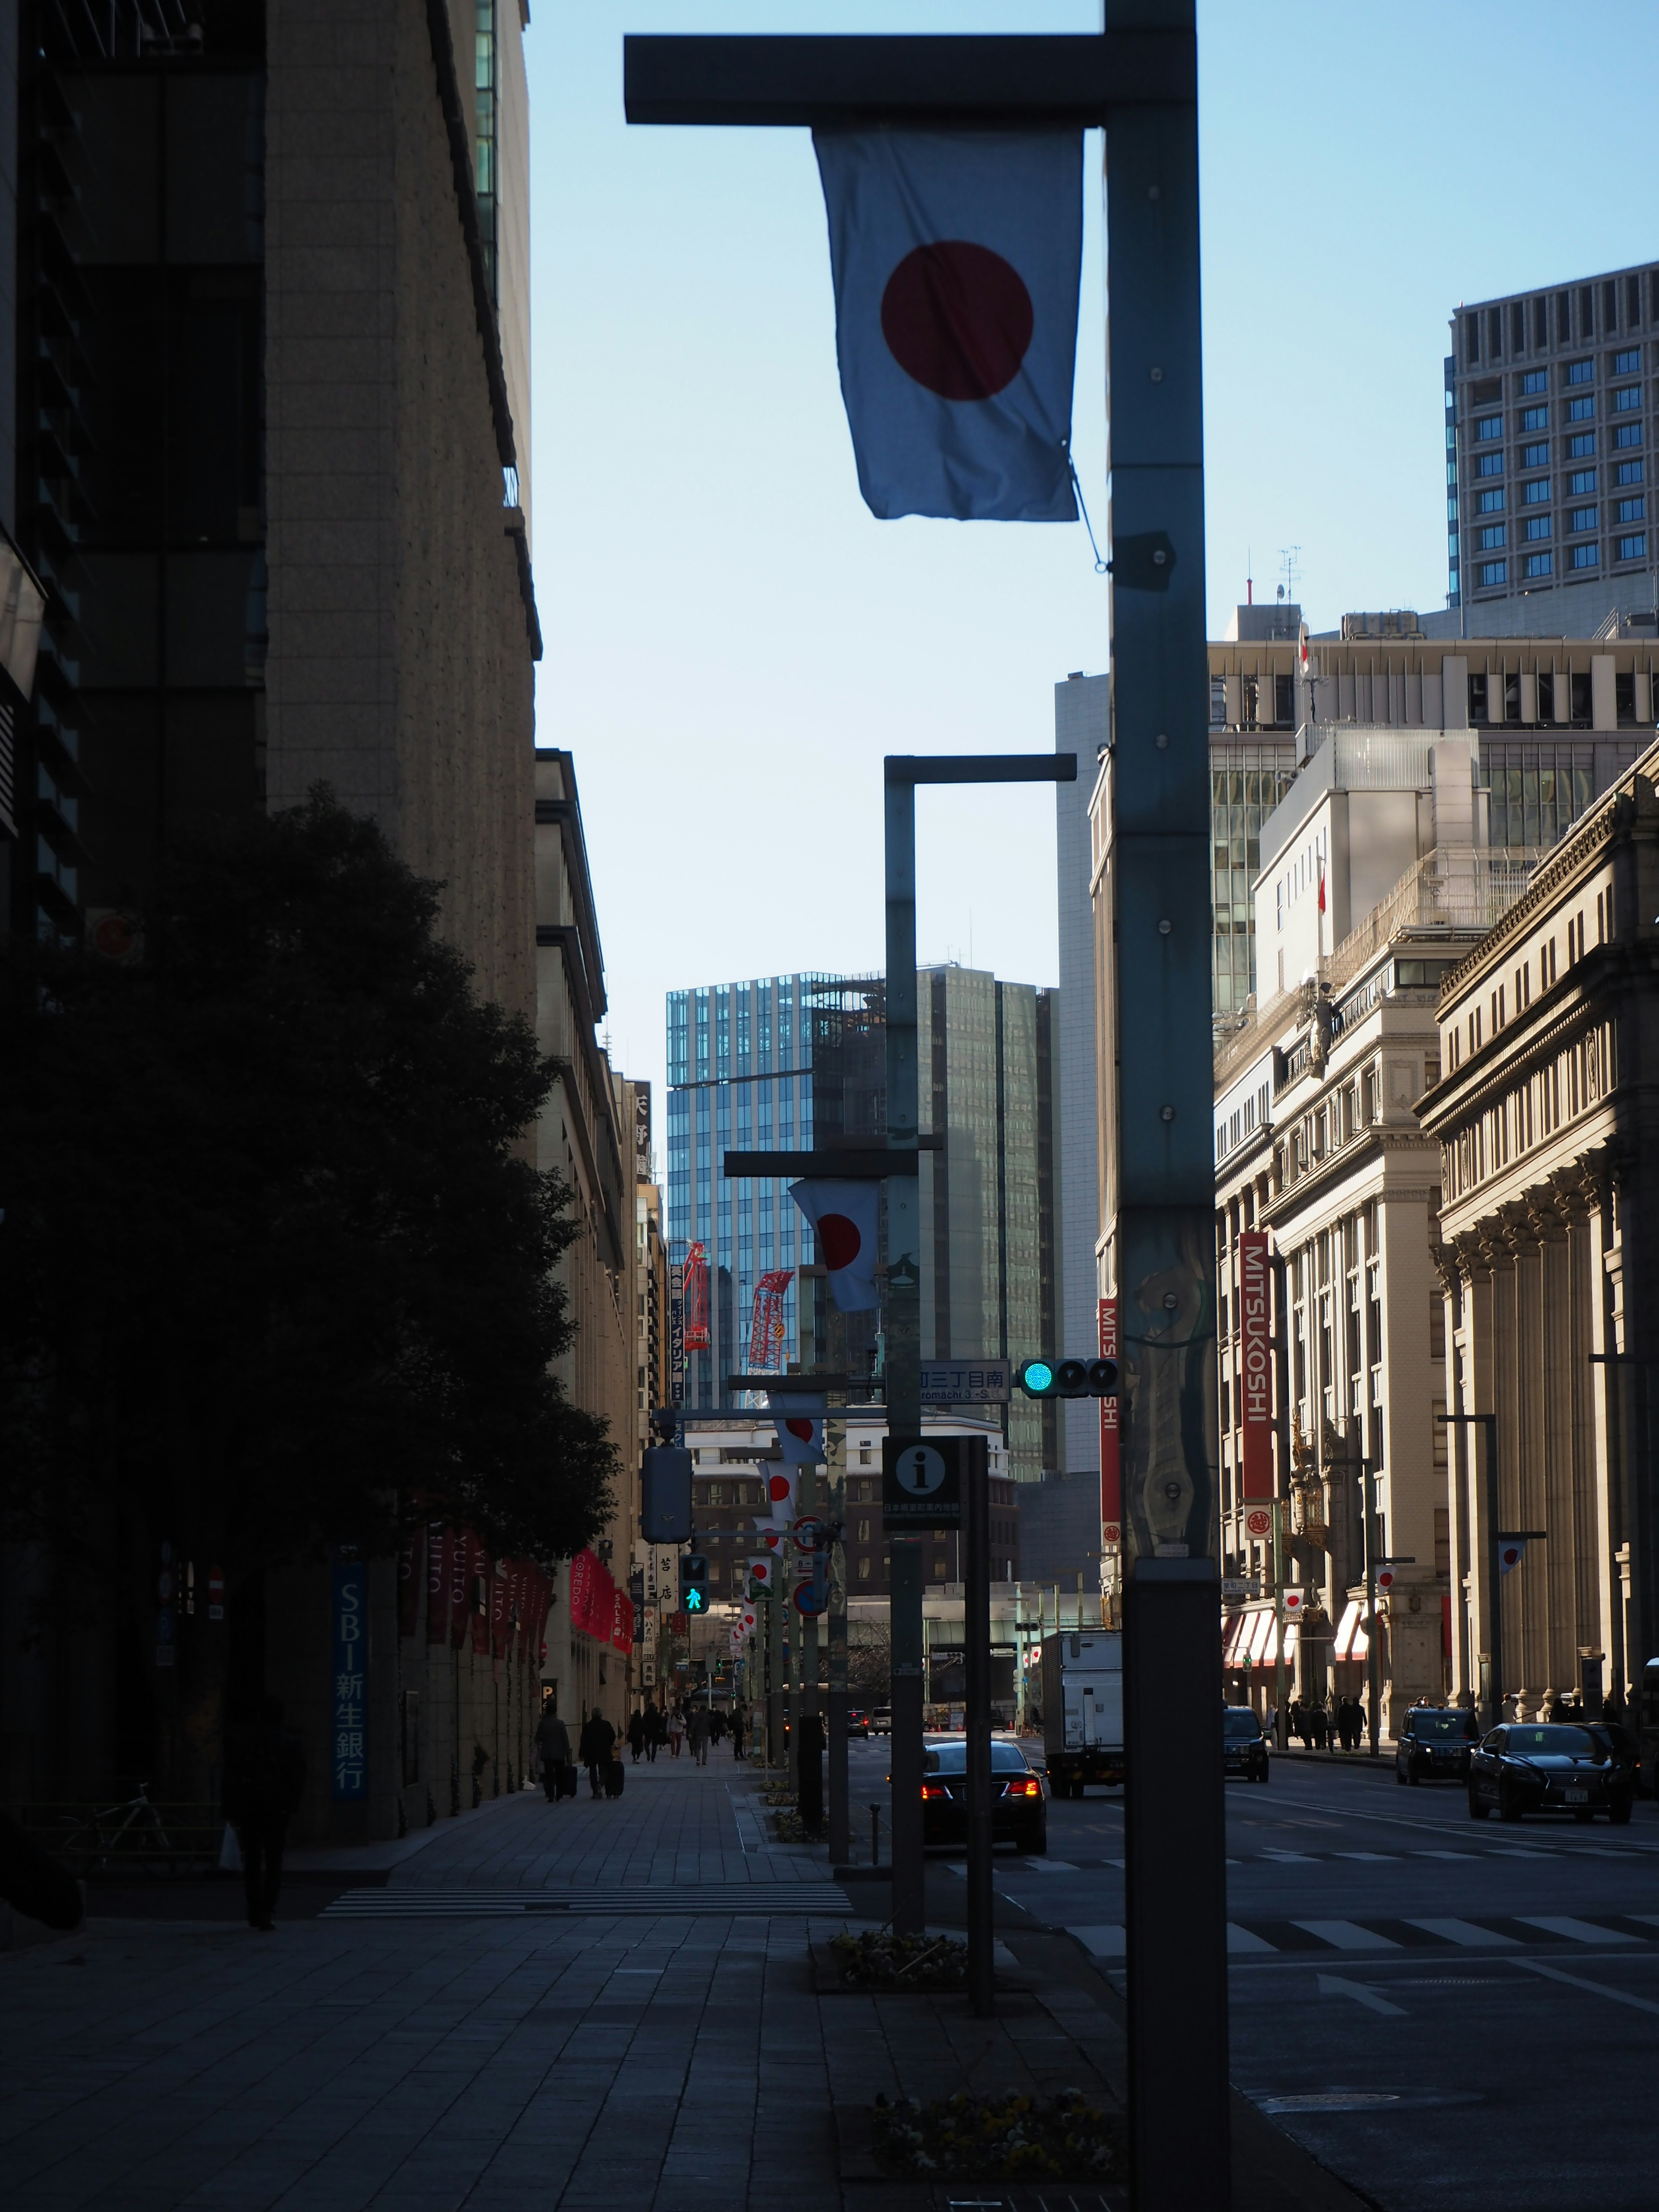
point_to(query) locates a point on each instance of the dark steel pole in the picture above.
(1160, 1181)
(976, 1641)
(841, 1834)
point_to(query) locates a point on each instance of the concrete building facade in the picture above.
(1544, 1112)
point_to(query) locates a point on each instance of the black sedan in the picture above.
(1544, 1766)
(1435, 1742)
(1019, 1803)
(1244, 1746)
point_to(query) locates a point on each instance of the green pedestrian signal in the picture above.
(1067, 1378)
(694, 1583)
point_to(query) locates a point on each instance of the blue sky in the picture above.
(732, 641)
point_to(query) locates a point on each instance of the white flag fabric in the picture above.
(762, 1568)
(844, 1216)
(957, 256)
(771, 1534)
(798, 1421)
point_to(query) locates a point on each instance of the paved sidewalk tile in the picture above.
(667, 2061)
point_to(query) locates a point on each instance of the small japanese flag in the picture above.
(956, 256)
(843, 1216)
(799, 1423)
(1510, 1554)
(1292, 1601)
(771, 1534)
(761, 1569)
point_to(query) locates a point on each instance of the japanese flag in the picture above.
(843, 1216)
(762, 1569)
(781, 1491)
(956, 256)
(771, 1534)
(799, 1423)
(1510, 1554)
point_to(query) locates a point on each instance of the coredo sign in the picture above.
(1255, 1372)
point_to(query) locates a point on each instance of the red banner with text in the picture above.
(1253, 1387)
(1111, 1477)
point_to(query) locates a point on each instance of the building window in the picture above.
(1583, 409)
(1627, 434)
(1536, 418)
(1491, 503)
(1536, 457)
(1625, 473)
(1628, 364)
(1489, 574)
(1581, 372)
(1489, 464)
(863, 1571)
(1582, 445)
(1580, 482)
(1533, 379)
(1489, 429)
(1581, 517)
(1631, 549)
(1586, 556)
(1631, 510)
(1538, 527)
(1491, 540)
(1537, 493)
(1540, 564)
(1627, 401)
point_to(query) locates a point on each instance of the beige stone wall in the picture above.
(399, 668)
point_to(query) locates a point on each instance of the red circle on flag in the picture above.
(801, 1429)
(839, 1244)
(957, 318)
(779, 1487)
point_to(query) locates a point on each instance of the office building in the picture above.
(271, 431)
(1545, 1056)
(797, 1062)
(1550, 422)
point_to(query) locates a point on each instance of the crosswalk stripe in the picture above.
(1346, 1935)
(1575, 1932)
(1109, 1941)
(1467, 1934)
(1241, 1940)
(1374, 1858)
(441, 1904)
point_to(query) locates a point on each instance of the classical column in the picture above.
(1481, 1261)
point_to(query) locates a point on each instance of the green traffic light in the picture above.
(1037, 1378)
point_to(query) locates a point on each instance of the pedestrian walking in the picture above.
(697, 1729)
(676, 1731)
(636, 1733)
(655, 1731)
(553, 1749)
(737, 1724)
(717, 1726)
(1298, 1719)
(594, 1749)
(264, 1780)
(1270, 1723)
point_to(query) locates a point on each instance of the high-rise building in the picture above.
(1550, 424)
(797, 1062)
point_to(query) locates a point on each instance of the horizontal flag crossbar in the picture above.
(979, 768)
(868, 1163)
(1020, 82)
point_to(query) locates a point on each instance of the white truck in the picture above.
(1083, 1709)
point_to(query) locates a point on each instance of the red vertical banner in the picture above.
(501, 1595)
(1111, 1477)
(582, 1570)
(411, 1561)
(439, 1544)
(484, 1569)
(1254, 1388)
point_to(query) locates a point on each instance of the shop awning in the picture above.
(1352, 1639)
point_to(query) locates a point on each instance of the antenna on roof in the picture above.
(1288, 558)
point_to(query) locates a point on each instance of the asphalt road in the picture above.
(1446, 2013)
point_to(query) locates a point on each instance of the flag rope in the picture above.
(1101, 566)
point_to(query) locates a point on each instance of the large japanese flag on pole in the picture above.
(843, 1216)
(957, 256)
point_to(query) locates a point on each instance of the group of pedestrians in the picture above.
(599, 1748)
(1323, 1724)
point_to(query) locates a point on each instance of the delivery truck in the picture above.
(1083, 1709)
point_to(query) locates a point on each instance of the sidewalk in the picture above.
(606, 2006)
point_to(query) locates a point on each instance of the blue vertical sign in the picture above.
(350, 1763)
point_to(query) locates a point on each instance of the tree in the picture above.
(274, 1273)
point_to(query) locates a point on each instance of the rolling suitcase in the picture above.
(567, 1781)
(615, 1775)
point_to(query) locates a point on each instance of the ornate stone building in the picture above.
(1545, 1115)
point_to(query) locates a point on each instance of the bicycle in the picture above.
(121, 1834)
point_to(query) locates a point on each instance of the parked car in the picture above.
(1244, 1746)
(881, 1721)
(1019, 1797)
(1545, 1766)
(857, 1721)
(1436, 1742)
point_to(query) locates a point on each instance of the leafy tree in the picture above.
(274, 1271)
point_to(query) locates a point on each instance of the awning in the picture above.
(1236, 1637)
(1351, 1640)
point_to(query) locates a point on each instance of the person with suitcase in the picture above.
(553, 1748)
(598, 1736)
(616, 1773)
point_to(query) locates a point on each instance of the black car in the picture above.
(1244, 1746)
(1548, 1766)
(1019, 1803)
(1435, 1740)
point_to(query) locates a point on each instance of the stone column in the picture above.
(1478, 1393)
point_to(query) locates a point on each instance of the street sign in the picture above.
(964, 1382)
(811, 1597)
(921, 1481)
(1258, 1521)
(809, 1533)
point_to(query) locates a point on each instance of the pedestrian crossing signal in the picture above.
(1067, 1378)
(694, 1583)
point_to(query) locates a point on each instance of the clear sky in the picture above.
(732, 641)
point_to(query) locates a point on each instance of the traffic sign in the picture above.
(921, 1481)
(1258, 1522)
(964, 1382)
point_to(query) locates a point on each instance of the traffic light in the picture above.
(694, 1583)
(1067, 1378)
